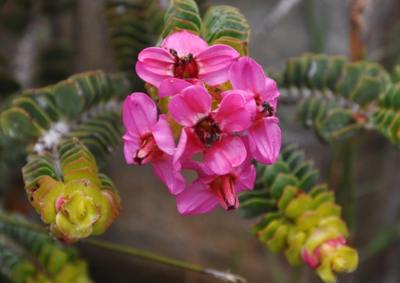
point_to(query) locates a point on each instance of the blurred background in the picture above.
(38, 47)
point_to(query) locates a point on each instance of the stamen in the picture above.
(148, 149)
(207, 131)
(267, 109)
(184, 67)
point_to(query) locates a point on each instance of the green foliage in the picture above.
(396, 74)
(35, 257)
(300, 218)
(386, 117)
(181, 15)
(34, 111)
(101, 134)
(133, 25)
(14, 267)
(226, 25)
(291, 169)
(337, 94)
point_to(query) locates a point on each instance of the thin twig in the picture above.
(357, 24)
(139, 253)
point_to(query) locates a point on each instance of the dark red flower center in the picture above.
(184, 67)
(224, 188)
(148, 149)
(207, 131)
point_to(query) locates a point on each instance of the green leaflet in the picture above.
(101, 134)
(52, 262)
(386, 117)
(34, 111)
(291, 169)
(226, 25)
(132, 26)
(338, 95)
(14, 267)
(181, 14)
(396, 74)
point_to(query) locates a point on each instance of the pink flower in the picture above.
(184, 55)
(210, 132)
(148, 140)
(264, 135)
(210, 189)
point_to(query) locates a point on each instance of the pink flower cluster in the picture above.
(221, 132)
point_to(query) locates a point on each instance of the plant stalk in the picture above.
(139, 253)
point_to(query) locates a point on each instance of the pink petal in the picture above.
(188, 146)
(247, 74)
(155, 56)
(172, 178)
(163, 136)
(139, 113)
(265, 140)
(153, 75)
(192, 104)
(246, 177)
(184, 43)
(224, 155)
(249, 98)
(270, 92)
(214, 63)
(131, 145)
(196, 199)
(232, 114)
(172, 86)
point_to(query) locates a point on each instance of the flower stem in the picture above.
(146, 255)
(139, 253)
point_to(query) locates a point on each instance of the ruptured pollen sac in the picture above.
(184, 67)
(207, 131)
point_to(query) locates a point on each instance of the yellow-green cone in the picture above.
(308, 229)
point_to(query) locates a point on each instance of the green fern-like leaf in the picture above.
(35, 111)
(133, 25)
(101, 134)
(337, 94)
(226, 25)
(292, 169)
(386, 118)
(181, 15)
(14, 267)
(41, 258)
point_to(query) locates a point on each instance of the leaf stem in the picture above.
(138, 253)
(150, 256)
